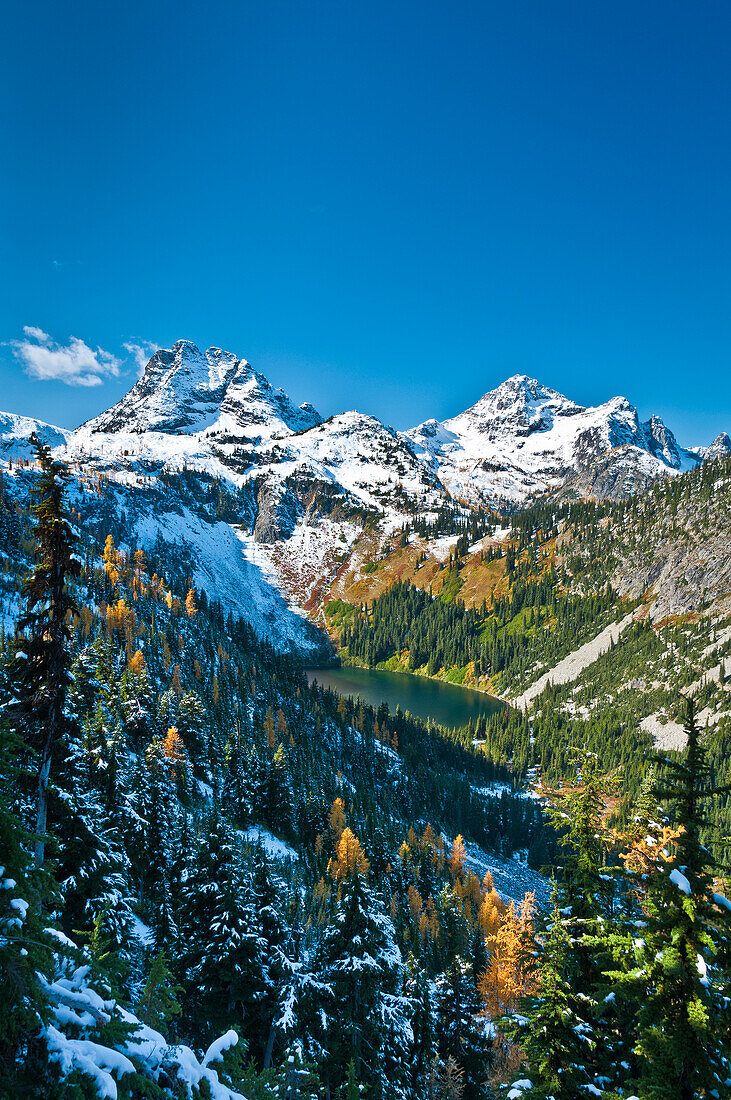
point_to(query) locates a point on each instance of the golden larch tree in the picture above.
(350, 858)
(336, 821)
(136, 663)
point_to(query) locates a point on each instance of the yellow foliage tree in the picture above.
(644, 855)
(490, 910)
(336, 820)
(111, 560)
(173, 747)
(136, 663)
(350, 859)
(509, 977)
(190, 604)
(415, 903)
(457, 857)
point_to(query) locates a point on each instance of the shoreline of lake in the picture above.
(449, 705)
(339, 662)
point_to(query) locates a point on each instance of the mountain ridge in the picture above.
(203, 439)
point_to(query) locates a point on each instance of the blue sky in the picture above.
(383, 206)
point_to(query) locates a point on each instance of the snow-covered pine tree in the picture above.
(365, 1018)
(422, 994)
(23, 956)
(279, 797)
(231, 975)
(269, 900)
(160, 812)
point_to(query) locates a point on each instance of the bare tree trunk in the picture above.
(270, 1046)
(44, 773)
(42, 808)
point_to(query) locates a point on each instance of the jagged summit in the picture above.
(522, 438)
(720, 446)
(195, 409)
(519, 404)
(294, 492)
(183, 389)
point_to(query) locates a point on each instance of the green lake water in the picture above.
(447, 704)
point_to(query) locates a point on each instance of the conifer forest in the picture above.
(221, 880)
(365, 679)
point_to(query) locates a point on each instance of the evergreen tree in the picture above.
(463, 1034)
(684, 1022)
(423, 1022)
(359, 961)
(279, 806)
(158, 1002)
(554, 1035)
(24, 949)
(41, 669)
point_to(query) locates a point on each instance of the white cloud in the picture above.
(76, 363)
(141, 352)
(36, 334)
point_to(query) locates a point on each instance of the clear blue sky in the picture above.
(389, 206)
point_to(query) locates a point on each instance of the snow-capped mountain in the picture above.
(15, 431)
(523, 438)
(267, 501)
(719, 447)
(185, 390)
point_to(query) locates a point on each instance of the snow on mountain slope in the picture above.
(15, 431)
(270, 500)
(367, 458)
(720, 446)
(243, 586)
(183, 389)
(322, 484)
(523, 438)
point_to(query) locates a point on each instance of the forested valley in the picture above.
(220, 882)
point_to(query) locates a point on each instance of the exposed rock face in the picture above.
(672, 550)
(278, 512)
(179, 390)
(720, 446)
(660, 442)
(614, 476)
(682, 574)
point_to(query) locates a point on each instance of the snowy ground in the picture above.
(224, 571)
(273, 846)
(512, 876)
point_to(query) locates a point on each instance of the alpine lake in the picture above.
(446, 704)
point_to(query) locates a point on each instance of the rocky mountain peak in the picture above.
(720, 446)
(661, 442)
(183, 389)
(519, 405)
(180, 389)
